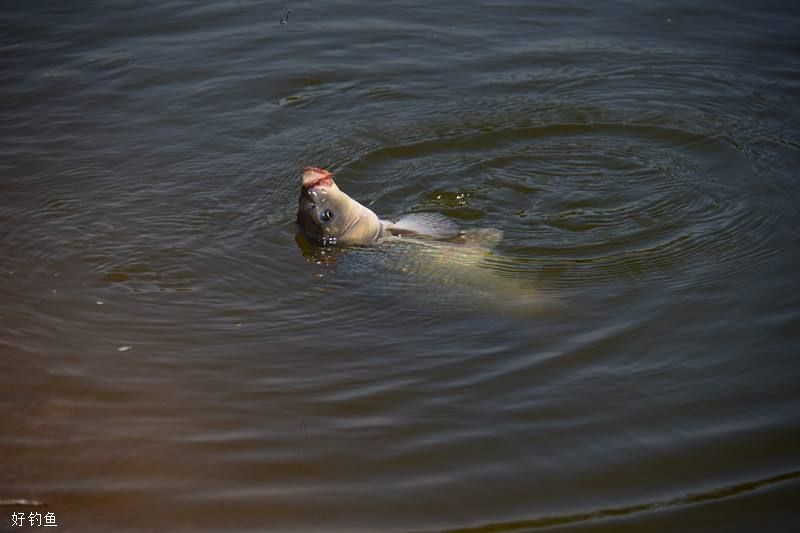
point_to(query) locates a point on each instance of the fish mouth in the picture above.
(315, 177)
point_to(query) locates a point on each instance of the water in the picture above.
(172, 359)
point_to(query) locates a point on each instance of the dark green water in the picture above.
(172, 360)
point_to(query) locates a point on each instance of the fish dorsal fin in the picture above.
(430, 224)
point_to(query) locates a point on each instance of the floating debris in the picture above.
(124, 348)
(285, 18)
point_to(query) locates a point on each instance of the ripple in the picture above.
(583, 195)
(641, 170)
(711, 495)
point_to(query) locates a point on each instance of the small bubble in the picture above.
(124, 348)
(98, 302)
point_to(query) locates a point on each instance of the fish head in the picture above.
(324, 213)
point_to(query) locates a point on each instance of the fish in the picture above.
(428, 247)
(328, 216)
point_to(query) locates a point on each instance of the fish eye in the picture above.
(326, 216)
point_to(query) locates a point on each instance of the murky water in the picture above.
(171, 358)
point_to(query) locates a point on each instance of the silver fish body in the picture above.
(427, 249)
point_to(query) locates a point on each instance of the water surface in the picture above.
(172, 359)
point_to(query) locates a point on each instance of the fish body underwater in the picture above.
(428, 247)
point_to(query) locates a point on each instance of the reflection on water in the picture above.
(624, 358)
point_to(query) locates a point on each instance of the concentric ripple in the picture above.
(583, 195)
(624, 356)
